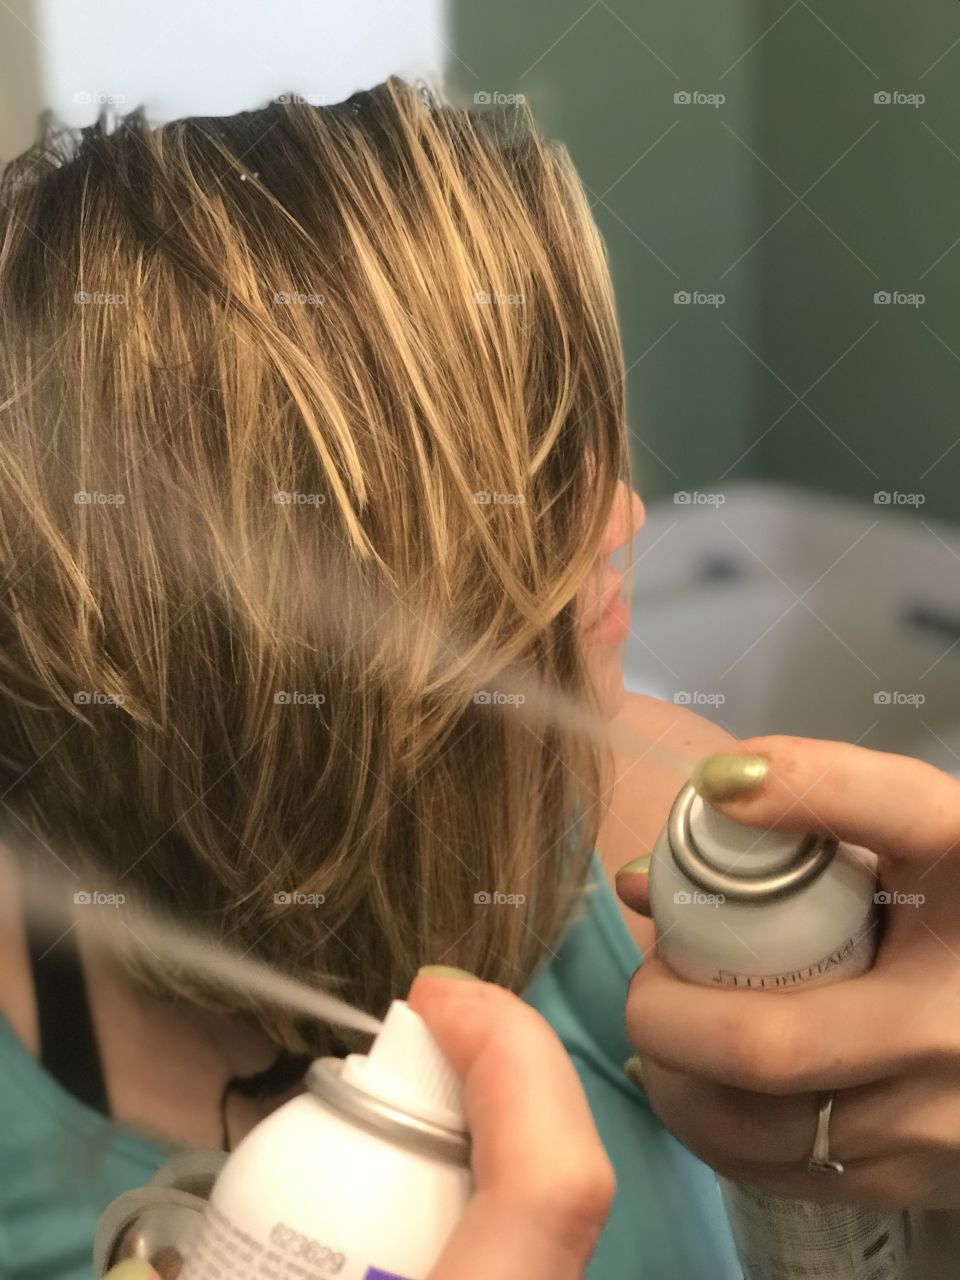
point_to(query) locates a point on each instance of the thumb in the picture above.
(632, 883)
(544, 1183)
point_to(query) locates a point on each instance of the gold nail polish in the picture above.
(633, 1070)
(721, 777)
(448, 971)
(637, 867)
(131, 1269)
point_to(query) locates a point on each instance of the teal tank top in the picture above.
(61, 1162)
(667, 1221)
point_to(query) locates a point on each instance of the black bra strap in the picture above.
(68, 1039)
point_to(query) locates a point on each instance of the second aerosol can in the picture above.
(362, 1177)
(737, 907)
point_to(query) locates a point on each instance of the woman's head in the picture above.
(311, 424)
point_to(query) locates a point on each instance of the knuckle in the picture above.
(576, 1200)
(938, 829)
(768, 1054)
(785, 751)
(591, 1192)
(922, 1132)
(926, 1036)
(942, 1041)
(801, 768)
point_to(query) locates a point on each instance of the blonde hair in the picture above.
(312, 418)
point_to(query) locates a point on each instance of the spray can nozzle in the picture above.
(743, 864)
(406, 1068)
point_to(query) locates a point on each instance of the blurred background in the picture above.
(778, 186)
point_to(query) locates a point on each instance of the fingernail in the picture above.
(633, 1070)
(131, 1269)
(721, 777)
(638, 867)
(448, 971)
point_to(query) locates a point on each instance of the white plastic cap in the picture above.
(406, 1068)
(732, 846)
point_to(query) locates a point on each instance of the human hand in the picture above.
(544, 1184)
(735, 1074)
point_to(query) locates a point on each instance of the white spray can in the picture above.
(363, 1177)
(736, 907)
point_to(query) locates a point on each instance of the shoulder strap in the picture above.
(68, 1038)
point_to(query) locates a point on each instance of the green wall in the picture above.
(883, 217)
(701, 197)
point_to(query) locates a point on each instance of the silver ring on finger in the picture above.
(820, 1161)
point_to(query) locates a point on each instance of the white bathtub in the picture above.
(786, 611)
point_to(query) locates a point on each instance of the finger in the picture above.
(897, 1116)
(837, 1036)
(900, 807)
(892, 1139)
(633, 888)
(544, 1182)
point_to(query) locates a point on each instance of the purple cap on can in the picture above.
(374, 1273)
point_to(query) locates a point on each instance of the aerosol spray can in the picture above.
(362, 1177)
(736, 907)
